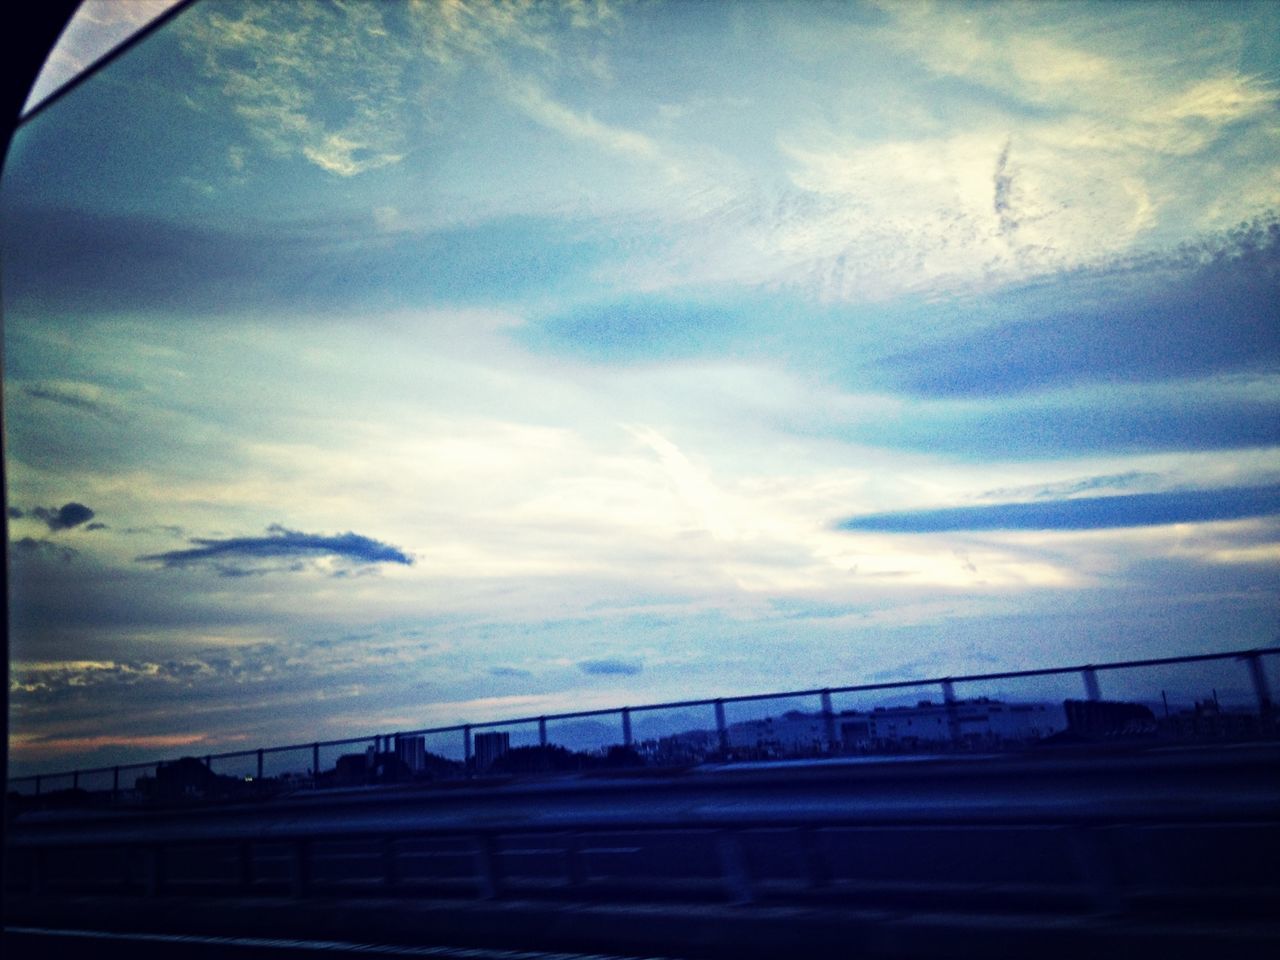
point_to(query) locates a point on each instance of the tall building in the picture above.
(412, 752)
(489, 747)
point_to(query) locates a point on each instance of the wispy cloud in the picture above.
(280, 544)
(85, 397)
(504, 671)
(579, 125)
(1083, 513)
(1067, 488)
(1212, 309)
(611, 667)
(341, 108)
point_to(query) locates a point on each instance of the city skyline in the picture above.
(394, 365)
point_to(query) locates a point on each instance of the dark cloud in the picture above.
(15, 513)
(1083, 513)
(43, 548)
(611, 667)
(508, 672)
(1003, 181)
(97, 264)
(281, 544)
(72, 399)
(59, 518)
(1079, 422)
(1194, 313)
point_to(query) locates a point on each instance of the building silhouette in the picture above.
(489, 747)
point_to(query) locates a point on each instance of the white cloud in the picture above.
(577, 125)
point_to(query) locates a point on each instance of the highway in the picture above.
(1052, 853)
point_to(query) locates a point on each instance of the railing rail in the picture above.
(1252, 658)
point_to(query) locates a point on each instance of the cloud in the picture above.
(57, 518)
(340, 106)
(282, 544)
(86, 397)
(1083, 513)
(348, 106)
(508, 672)
(637, 328)
(610, 667)
(1193, 312)
(534, 102)
(1003, 181)
(1067, 488)
(45, 548)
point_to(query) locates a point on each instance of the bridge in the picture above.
(1148, 846)
(1141, 850)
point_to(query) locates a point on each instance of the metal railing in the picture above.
(1252, 659)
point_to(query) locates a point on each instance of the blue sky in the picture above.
(461, 360)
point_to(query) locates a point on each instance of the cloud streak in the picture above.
(1210, 309)
(610, 667)
(1083, 513)
(280, 544)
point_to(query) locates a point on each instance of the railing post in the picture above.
(1091, 688)
(315, 762)
(466, 745)
(300, 874)
(35, 879)
(37, 784)
(390, 863)
(828, 722)
(1259, 677)
(115, 783)
(246, 866)
(75, 779)
(953, 710)
(1090, 852)
(153, 870)
(815, 856)
(733, 867)
(542, 731)
(208, 763)
(487, 878)
(574, 862)
(626, 726)
(722, 728)
(259, 765)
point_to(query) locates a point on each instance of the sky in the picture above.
(375, 366)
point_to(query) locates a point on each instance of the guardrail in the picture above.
(1251, 658)
(1191, 837)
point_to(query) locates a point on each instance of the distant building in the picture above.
(981, 722)
(412, 753)
(351, 768)
(489, 747)
(689, 746)
(186, 778)
(793, 734)
(1096, 719)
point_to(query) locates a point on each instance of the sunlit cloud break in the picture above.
(282, 543)
(1083, 513)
